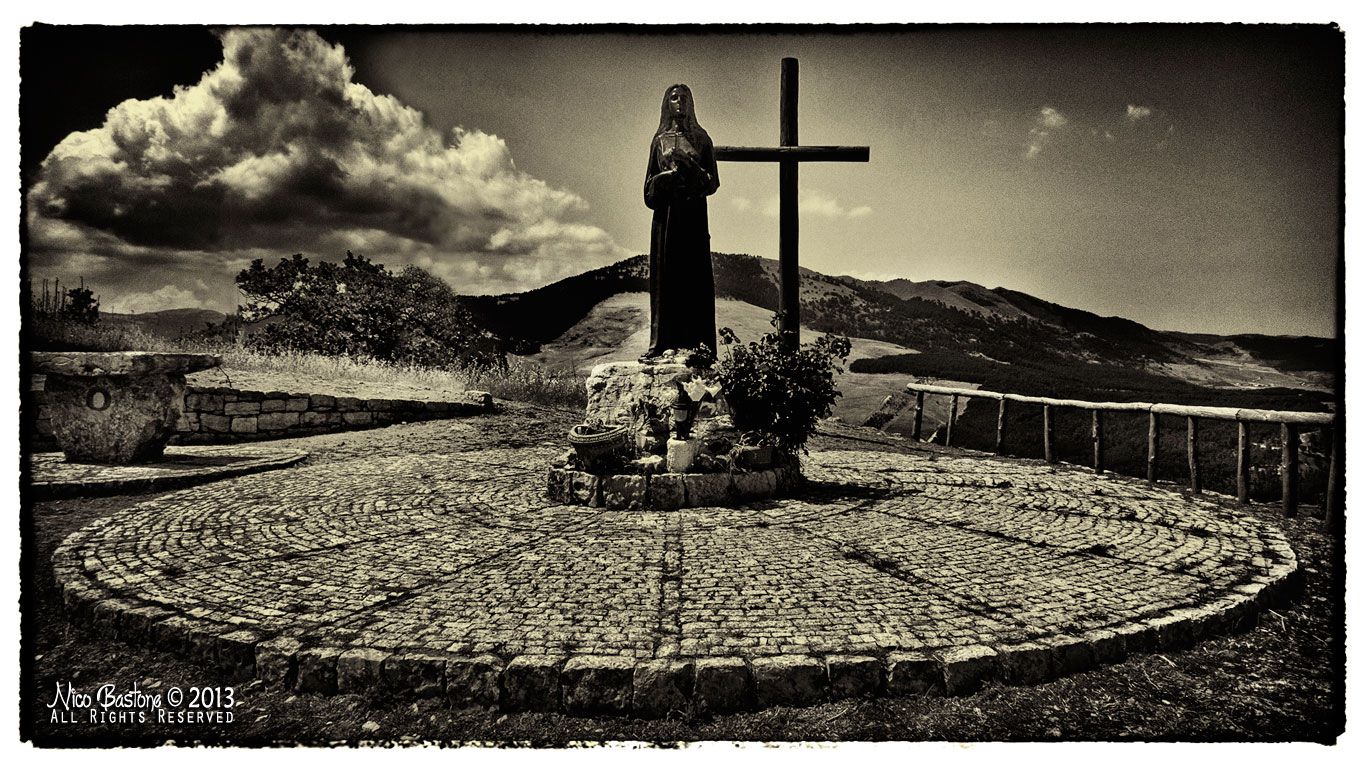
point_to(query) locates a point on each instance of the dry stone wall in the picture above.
(224, 415)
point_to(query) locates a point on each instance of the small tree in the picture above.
(359, 308)
(81, 306)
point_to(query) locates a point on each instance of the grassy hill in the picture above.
(929, 330)
(955, 333)
(167, 323)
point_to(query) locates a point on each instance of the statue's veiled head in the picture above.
(678, 102)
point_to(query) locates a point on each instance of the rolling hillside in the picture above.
(167, 323)
(954, 333)
(940, 331)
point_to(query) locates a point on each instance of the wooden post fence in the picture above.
(1193, 452)
(1290, 469)
(953, 416)
(1098, 440)
(919, 412)
(1152, 447)
(1332, 500)
(1292, 422)
(1047, 434)
(1001, 426)
(1244, 460)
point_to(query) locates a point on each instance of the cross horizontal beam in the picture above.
(800, 154)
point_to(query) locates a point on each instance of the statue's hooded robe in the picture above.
(682, 300)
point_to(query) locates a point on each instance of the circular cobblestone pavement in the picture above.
(453, 575)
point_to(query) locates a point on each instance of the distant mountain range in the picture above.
(929, 330)
(943, 318)
(167, 323)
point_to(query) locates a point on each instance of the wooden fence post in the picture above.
(1152, 447)
(1098, 440)
(1290, 469)
(919, 410)
(1332, 500)
(1047, 435)
(1000, 426)
(1244, 459)
(953, 417)
(1193, 451)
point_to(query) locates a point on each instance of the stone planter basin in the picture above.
(116, 407)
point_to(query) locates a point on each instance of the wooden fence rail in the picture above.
(1291, 422)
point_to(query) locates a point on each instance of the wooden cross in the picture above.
(787, 155)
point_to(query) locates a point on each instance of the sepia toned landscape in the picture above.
(339, 427)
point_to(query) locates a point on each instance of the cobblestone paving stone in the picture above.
(892, 572)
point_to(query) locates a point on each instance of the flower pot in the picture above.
(754, 456)
(600, 450)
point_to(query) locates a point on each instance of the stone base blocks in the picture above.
(913, 673)
(359, 670)
(662, 687)
(277, 663)
(598, 685)
(668, 490)
(722, 685)
(853, 677)
(532, 684)
(967, 668)
(474, 682)
(419, 674)
(652, 688)
(794, 681)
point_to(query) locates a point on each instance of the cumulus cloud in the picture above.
(816, 203)
(277, 151)
(1046, 123)
(1137, 128)
(165, 297)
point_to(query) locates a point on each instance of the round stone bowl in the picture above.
(116, 407)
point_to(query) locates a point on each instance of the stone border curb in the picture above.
(668, 490)
(44, 490)
(619, 685)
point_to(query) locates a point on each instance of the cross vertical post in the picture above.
(789, 299)
(788, 154)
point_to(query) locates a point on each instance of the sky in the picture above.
(1187, 177)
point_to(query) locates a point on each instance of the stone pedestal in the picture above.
(618, 393)
(116, 407)
(680, 455)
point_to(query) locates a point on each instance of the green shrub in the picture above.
(360, 309)
(779, 392)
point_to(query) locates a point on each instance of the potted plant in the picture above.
(600, 446)
(776, 393)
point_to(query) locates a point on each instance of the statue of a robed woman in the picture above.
(682, 172)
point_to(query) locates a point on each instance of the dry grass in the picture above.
(52, 332)
(520, 381)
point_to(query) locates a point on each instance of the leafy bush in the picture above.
(81, 306)
(777, 391)
(359, 308)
